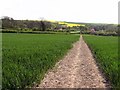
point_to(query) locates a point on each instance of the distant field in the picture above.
(26, 57)
(105, 48)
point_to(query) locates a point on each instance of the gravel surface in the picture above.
(77, 69)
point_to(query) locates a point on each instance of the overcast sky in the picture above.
(94, 11)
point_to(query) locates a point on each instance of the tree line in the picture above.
(9, 24)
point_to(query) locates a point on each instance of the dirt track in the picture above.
(76, 70)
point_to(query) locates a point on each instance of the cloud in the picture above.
(104, 11)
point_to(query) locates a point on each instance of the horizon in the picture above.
(62, 21)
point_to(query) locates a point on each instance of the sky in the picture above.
(89, 11)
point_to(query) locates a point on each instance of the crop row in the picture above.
(27, 57)
(105, 50)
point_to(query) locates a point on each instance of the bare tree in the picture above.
(42, 22)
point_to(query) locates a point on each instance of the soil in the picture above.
(78, 69)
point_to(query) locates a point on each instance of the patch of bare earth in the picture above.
(76, 70)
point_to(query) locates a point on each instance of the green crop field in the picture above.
(26, 57)
(105, 49)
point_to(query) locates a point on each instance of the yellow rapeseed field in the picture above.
(67, 24)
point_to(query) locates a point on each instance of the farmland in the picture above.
(105, 50)
(27, 57)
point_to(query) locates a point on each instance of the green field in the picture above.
(105, 49)
(26, 57)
